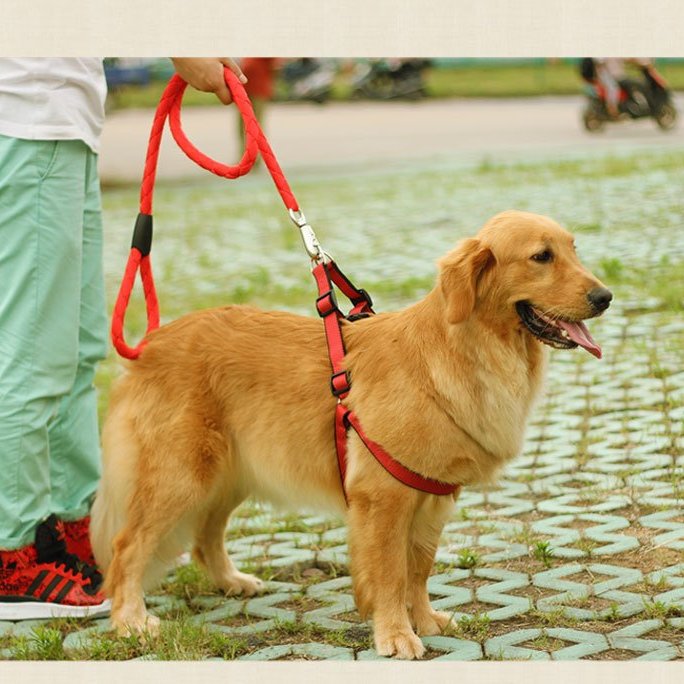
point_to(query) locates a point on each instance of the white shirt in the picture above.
(53, 99)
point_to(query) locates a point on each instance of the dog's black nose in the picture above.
(600, 298)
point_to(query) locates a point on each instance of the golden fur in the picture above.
(235, 402)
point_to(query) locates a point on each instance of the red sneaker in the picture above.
(44, 581)
(77, 538)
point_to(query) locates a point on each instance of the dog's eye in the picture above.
(543, 257)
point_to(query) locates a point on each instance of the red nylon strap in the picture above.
(255, 142)
(396, 469)
(358, 297)
(326, 304)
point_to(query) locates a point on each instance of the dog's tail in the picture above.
(119, 455)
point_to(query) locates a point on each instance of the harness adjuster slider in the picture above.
(326, 304)
(340, 383)
(363, 298)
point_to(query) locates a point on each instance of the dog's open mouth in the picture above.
(556, 332)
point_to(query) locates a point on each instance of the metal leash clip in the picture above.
(311, 244)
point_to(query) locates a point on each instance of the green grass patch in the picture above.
(178, 639)
(293, 631)
(188, 581)
(43, 643)
(467, 558)
(475, 626)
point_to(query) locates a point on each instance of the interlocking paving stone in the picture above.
(559, 528)
(447, 586)
(622, 603)
(336, 604)
(674, 537)
(585, 643)
(454, 649)
(82, 639)
(312, 651)
(507, 646)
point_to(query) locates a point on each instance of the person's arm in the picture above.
(206, 74)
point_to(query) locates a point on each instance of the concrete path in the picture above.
(351, 133)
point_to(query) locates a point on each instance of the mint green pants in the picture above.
(53, 331)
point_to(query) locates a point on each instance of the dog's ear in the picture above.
(460, 272)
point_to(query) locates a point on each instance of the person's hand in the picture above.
(206, 74)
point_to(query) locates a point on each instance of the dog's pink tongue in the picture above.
(578, 333)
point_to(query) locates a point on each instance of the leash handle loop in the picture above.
(255, 142)
(139, 259)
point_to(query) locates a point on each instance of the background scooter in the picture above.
(649, 97)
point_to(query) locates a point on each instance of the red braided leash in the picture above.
(139, 258)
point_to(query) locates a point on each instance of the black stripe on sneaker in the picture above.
(37, 582)
(45, 595)
(64, 591)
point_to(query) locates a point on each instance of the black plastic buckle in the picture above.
(340, 383)
(326, 304)
(358, 316)
(363, 297)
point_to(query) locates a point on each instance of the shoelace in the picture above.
(74, 564)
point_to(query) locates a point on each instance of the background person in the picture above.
(261, 74)
(610, 72)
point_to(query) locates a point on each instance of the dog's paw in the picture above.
(434, 622)
(241, 583)
(147, 624)
(404, 645)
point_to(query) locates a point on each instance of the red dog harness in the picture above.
(325, 271)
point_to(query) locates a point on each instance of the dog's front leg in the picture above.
(379, 524)
(424, 538)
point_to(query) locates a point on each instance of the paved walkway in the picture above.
(351, 133)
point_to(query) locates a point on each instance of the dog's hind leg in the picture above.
(175, 471)
(151, 518)
(210, 550)
(423, 541)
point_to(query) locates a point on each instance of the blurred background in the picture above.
(319, 112)
(138, 82)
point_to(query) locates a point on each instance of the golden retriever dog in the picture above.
(235, 402)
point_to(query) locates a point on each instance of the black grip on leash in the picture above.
(142, 234)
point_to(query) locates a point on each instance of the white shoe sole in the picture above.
(38, 610)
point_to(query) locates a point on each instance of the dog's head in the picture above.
(522, 270)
